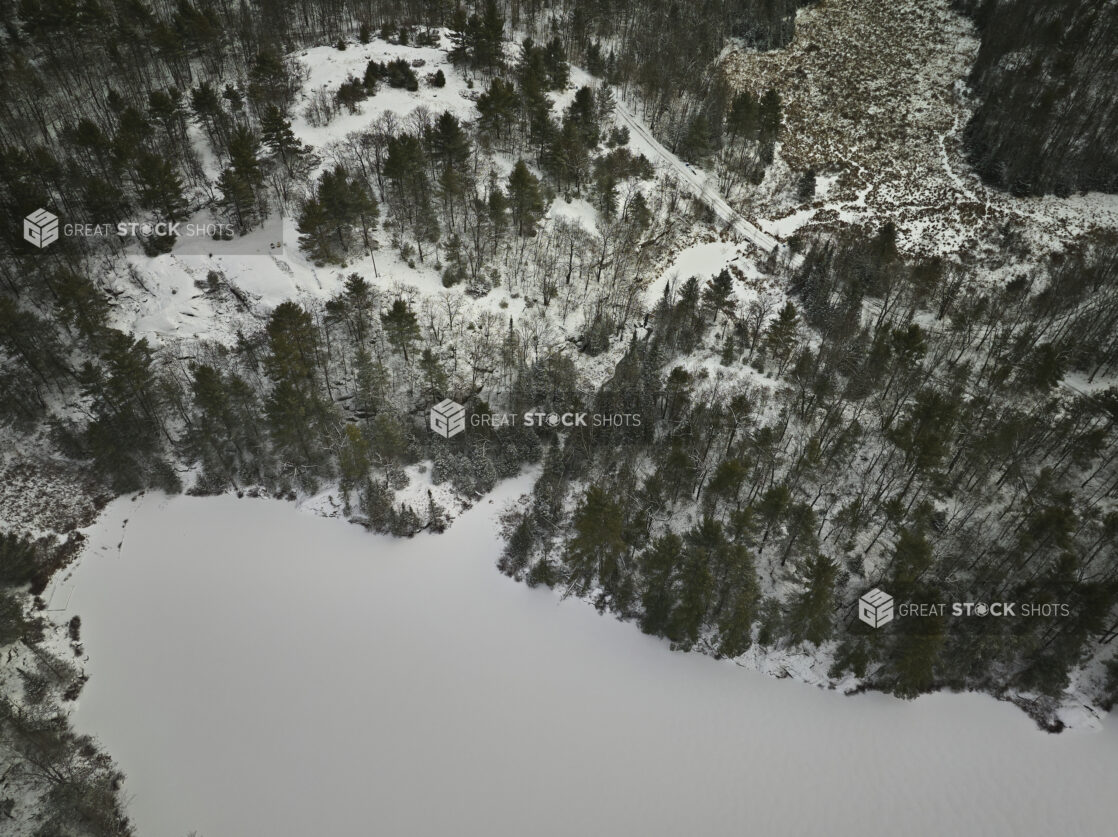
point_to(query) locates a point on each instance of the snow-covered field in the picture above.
(257, 670)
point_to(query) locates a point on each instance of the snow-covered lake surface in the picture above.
(257, 670)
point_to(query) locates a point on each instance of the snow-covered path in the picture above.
(698, 182)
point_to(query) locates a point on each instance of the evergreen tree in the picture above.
(735, 625)
(597, 542)
(525, 201)
(353, 458)
(810, 615)
(805, 189)
(400, 326)
(160, 186)
(695, 587)
(277, 136)
(271, 82)
(299, 417)
(718, 292)
(659, 564)
(339, 205)
(238, 200)
(915, 654)
(781, 336)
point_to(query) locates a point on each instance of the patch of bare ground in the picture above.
(39, 496)
(875, 92)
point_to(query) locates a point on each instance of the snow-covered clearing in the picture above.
(169, 298)
(166, 298)
(256, 670)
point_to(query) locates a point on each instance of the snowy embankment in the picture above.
(260, 671)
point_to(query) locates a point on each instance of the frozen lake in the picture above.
(260, 671)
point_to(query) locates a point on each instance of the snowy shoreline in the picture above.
(243, 652)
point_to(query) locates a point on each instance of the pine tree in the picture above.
(695, 143)
(637, 212)
(525, 201)
(518, 549)
(223, 431)
(695, 587)
(743, 119)
(243, 150)
(435, 381)
(298, 416)
(555, 60)
(782, 336)
(597, 542)
(316, 232)
(914, 657)
(277, 136)
(338, 206)
(160, 186)
(490, 38)
(270, 82)
(658, 565)
(729, 350)
(351, 93)
(206, 105)
(448, 148)
(405, 167)
(124, 436)
(768, 119)
(400, 326)
(805, 190)
(353, 458)
(718, 291)
(460, 37)
(583, 116)
(542, 572)
(811, 611)
(735, 625)
(238, 200)
(497, 108)
(389, 440)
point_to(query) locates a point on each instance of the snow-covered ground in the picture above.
(876, 101)
(257, 670)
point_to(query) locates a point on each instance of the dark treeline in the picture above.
(661, 53)
(919, 439)
(1046, 77)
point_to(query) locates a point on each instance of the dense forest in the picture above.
(919, 439)
(1045, 78)
(879, 420)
